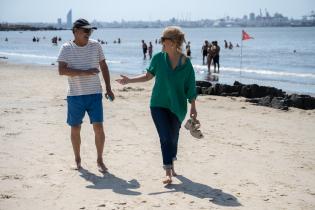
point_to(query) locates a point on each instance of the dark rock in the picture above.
(203, 84)
(265, 101)
(254, 91)
(279, 103)
(226, 89)
(309, 103)
(295, 100)
(237, 93)
(274, 92)
(205, 90)
(198, 90)
(261, 95)
(237, 83)
(269, 101)
(245, 91)
(212, 91)
(302, 101)
(216, 89)
(253, 100)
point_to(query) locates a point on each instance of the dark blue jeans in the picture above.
(167, 125)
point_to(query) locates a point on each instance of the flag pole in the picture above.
(245, 36)
(241, 57)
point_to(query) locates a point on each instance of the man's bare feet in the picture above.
(101, 167)
(77, 165)
(168, 179)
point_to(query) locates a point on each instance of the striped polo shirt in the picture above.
(82, 58)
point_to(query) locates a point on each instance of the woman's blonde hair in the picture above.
(176, 34)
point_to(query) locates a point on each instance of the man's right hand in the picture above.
(92, 71)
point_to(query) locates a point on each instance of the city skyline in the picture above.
(15, 10)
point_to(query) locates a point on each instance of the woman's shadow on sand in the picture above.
(198, 190)
(110, 181)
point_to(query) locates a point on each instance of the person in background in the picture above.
(150, 50)
(216, 57)
(230, 45)
(80, 60)
(226, 44)
(188, 50)
(174, 86)
(144, 49)
(204, 51)
(210, 56)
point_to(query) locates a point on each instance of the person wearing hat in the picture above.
(81, 60)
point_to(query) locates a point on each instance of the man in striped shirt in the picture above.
(80, 59)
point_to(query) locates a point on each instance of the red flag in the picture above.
(246, 36)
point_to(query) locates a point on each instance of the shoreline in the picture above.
(117, 73)
(251, 157)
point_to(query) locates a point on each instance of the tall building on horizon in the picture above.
(69, 19)
(59, 23)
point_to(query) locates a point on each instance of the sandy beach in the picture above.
(252, 157)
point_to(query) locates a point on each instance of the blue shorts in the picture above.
(78, 105)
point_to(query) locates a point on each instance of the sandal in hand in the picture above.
(193, 126)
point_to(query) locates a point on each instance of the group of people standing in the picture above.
(147, 49)
(229, 45)
(35, 39)
(55, 40)
(82, 60)
(211, 52)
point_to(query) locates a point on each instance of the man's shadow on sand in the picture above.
(110, 181)
(198, 190)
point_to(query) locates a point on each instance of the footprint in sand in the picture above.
(122, 97)
(128, 89)
(12, 177)
(101, 205)
(6, 196)
(13, 134)
(308, 191)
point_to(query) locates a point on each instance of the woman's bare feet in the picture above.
(173, 172)
(168, 179)
(101, 166)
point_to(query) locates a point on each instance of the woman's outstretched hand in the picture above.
(123, 80)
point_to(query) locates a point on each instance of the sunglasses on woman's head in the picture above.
(163, 39)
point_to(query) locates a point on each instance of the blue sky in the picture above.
(110, 10)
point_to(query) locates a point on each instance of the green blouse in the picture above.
(172, 88)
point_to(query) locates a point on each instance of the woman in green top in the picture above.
(174, 85)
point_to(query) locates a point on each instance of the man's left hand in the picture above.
(110, 95)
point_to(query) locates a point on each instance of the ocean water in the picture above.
(268, 59)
